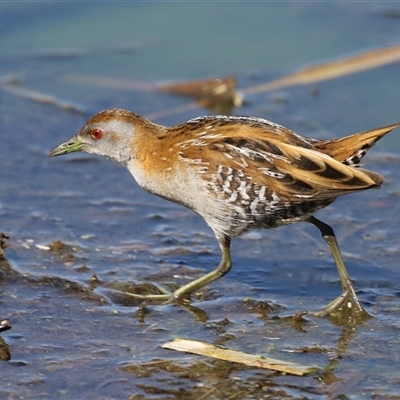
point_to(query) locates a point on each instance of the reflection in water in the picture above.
(72, 334)
(4, 350)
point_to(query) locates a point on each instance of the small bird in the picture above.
(238, 173)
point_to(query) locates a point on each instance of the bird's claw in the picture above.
(347, 303)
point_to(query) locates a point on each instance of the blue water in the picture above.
(72, 339)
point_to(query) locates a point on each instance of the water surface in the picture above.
(79, 226)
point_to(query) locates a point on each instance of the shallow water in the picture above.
(80, 227)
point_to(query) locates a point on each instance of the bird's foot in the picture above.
(346, 305)
(163, 297)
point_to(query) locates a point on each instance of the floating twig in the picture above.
(332, 69)
(209, 350)
(112, 83)
(216, 94)
(44, 98)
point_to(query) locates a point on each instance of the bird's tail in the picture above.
(351, 149)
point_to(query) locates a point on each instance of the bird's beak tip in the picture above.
(70, 146)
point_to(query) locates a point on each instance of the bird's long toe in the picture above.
(346, 304)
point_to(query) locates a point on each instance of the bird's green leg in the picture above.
(193, 286)
(348, 298)
(222, 269)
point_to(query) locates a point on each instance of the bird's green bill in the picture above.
(70, 146)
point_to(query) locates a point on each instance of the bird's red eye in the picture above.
(96, 133)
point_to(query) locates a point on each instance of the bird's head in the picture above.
(110, 133)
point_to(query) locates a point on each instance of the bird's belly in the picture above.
(239, 219)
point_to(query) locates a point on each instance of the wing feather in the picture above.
(293, 171)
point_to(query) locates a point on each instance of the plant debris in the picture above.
(332, 69)
(209, 350)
